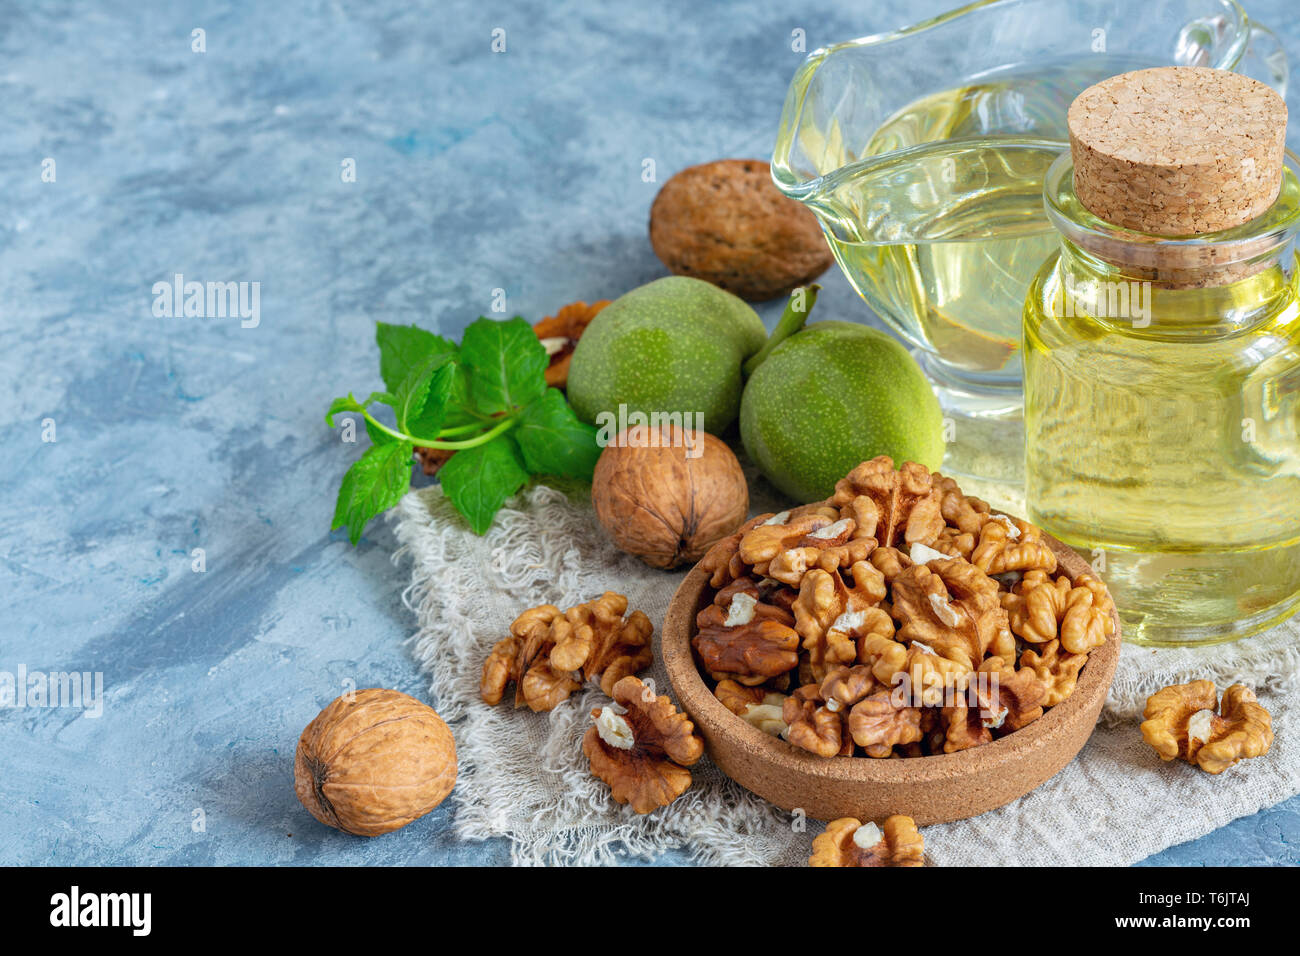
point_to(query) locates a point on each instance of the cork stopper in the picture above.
(1178, 150)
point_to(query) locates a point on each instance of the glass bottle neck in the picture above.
(1126, 295)
(1206, 284)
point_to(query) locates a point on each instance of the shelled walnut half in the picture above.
(743, 638)
(559, 334)
(641, 746)
(896, 508)
(816, 725)
(1182, 722)
(757, 706)
(1079, 614)
(550, 653)
(848, 842)
(951, 606)
(878, 724)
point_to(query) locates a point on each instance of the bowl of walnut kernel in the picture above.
(899, 648)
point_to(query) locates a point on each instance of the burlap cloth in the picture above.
(523, 776)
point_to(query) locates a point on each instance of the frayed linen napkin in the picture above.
(523, 776)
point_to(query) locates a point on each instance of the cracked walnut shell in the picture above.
(847, 842)
(1182, 722)
(642, 747)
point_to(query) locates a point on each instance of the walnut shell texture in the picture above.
(662, 505)
(374, 763)
(727, 223)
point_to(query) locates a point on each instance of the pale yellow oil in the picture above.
(938, 220)
(1170, 454)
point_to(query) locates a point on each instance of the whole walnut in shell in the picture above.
(667, 495)
(375, 762)
(727, 223)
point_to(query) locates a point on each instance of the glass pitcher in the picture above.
(923, 153)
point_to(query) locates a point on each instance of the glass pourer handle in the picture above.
(1265, 58)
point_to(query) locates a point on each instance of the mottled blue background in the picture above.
(475, 171)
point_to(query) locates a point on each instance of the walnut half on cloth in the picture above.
(1182, 721)
(550, 653)
(847, 842)
(642, 746)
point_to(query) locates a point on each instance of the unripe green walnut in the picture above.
(831, 396)
(675, 345)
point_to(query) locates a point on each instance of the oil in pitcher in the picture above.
(938, 223)
(922, 151)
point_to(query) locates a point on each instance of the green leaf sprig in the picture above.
(486, 400)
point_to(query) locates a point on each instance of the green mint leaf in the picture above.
(421, 401)
(506, 364)
(383, 398)
(375, 482)
(458, 404)
(376, 436)
(403, 346)
(478, 480)
(553, 441)
(345, 404)
(437, 402)
(350, 404)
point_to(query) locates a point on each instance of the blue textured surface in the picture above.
(475, 171)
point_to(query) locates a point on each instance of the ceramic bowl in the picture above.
(928, 789)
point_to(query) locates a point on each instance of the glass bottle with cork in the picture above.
(1162, 354)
